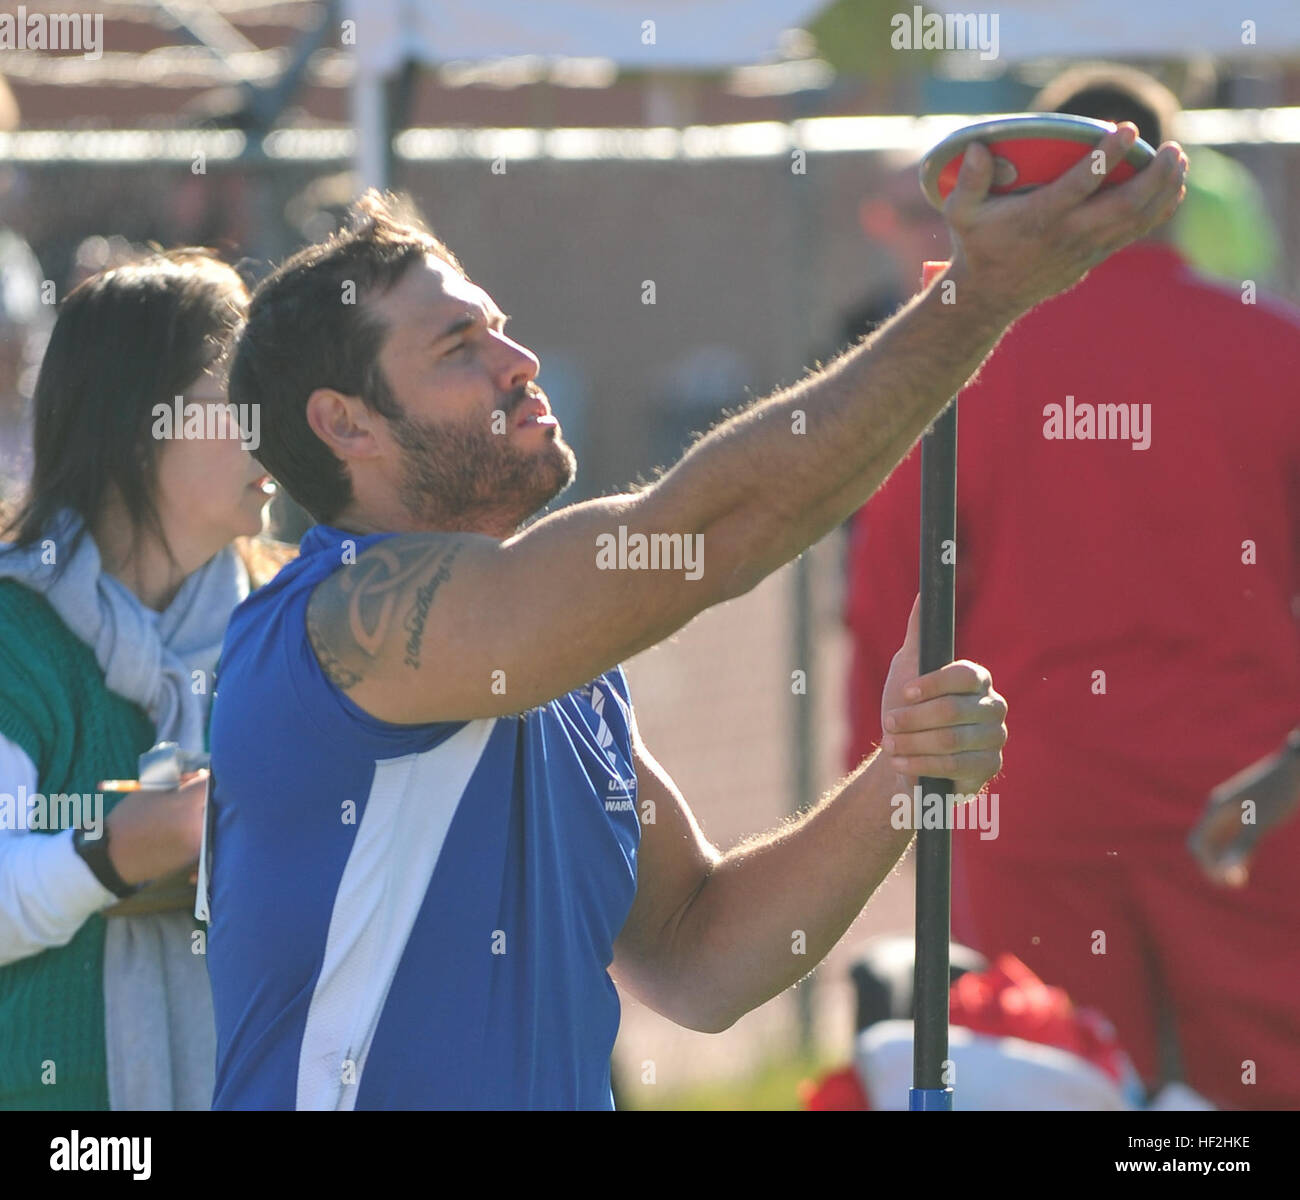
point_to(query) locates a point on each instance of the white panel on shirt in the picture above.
(409, 810)
(46, 890)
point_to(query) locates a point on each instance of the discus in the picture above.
(1028, 151)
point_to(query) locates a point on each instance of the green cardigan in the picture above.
(55, 704)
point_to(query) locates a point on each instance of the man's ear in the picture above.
(346, 424)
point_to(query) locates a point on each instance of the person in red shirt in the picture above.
(1128, 563)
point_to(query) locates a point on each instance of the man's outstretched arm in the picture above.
(712, 936)
(430, 627)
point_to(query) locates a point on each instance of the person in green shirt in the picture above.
(137, 537)
(1223, 227)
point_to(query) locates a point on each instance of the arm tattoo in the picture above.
(352, 614)
(414, 623)
(342, 677)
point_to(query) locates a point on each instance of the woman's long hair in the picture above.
(125, 341)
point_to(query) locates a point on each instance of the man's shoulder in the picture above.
(1171, 300)
(1242, 303)
(267, 613)
(1243, 300)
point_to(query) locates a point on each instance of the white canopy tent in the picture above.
(668, 35)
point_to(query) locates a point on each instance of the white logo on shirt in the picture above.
(624, 787)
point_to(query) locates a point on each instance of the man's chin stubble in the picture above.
(520, 488)
(566, 470)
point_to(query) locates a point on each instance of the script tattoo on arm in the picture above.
(356, 611)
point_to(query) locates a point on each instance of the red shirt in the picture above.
(1087, 554)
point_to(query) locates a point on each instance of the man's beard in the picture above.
(461, 475)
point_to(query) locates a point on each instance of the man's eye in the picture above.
(457, 348)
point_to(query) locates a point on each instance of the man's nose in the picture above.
(521, 365)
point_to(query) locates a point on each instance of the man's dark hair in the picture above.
(1112, 92)
(125, 341)
(309, 327)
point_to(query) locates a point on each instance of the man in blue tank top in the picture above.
(436, 837)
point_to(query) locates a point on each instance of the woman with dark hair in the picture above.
(136, 540)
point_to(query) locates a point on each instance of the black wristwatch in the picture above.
(94, 853)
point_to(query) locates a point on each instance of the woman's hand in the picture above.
(152, 834)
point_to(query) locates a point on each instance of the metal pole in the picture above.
(806, 213)
(930, 1090)
(805, 760)
(370, 121)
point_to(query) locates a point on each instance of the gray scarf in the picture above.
(158, 1022)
